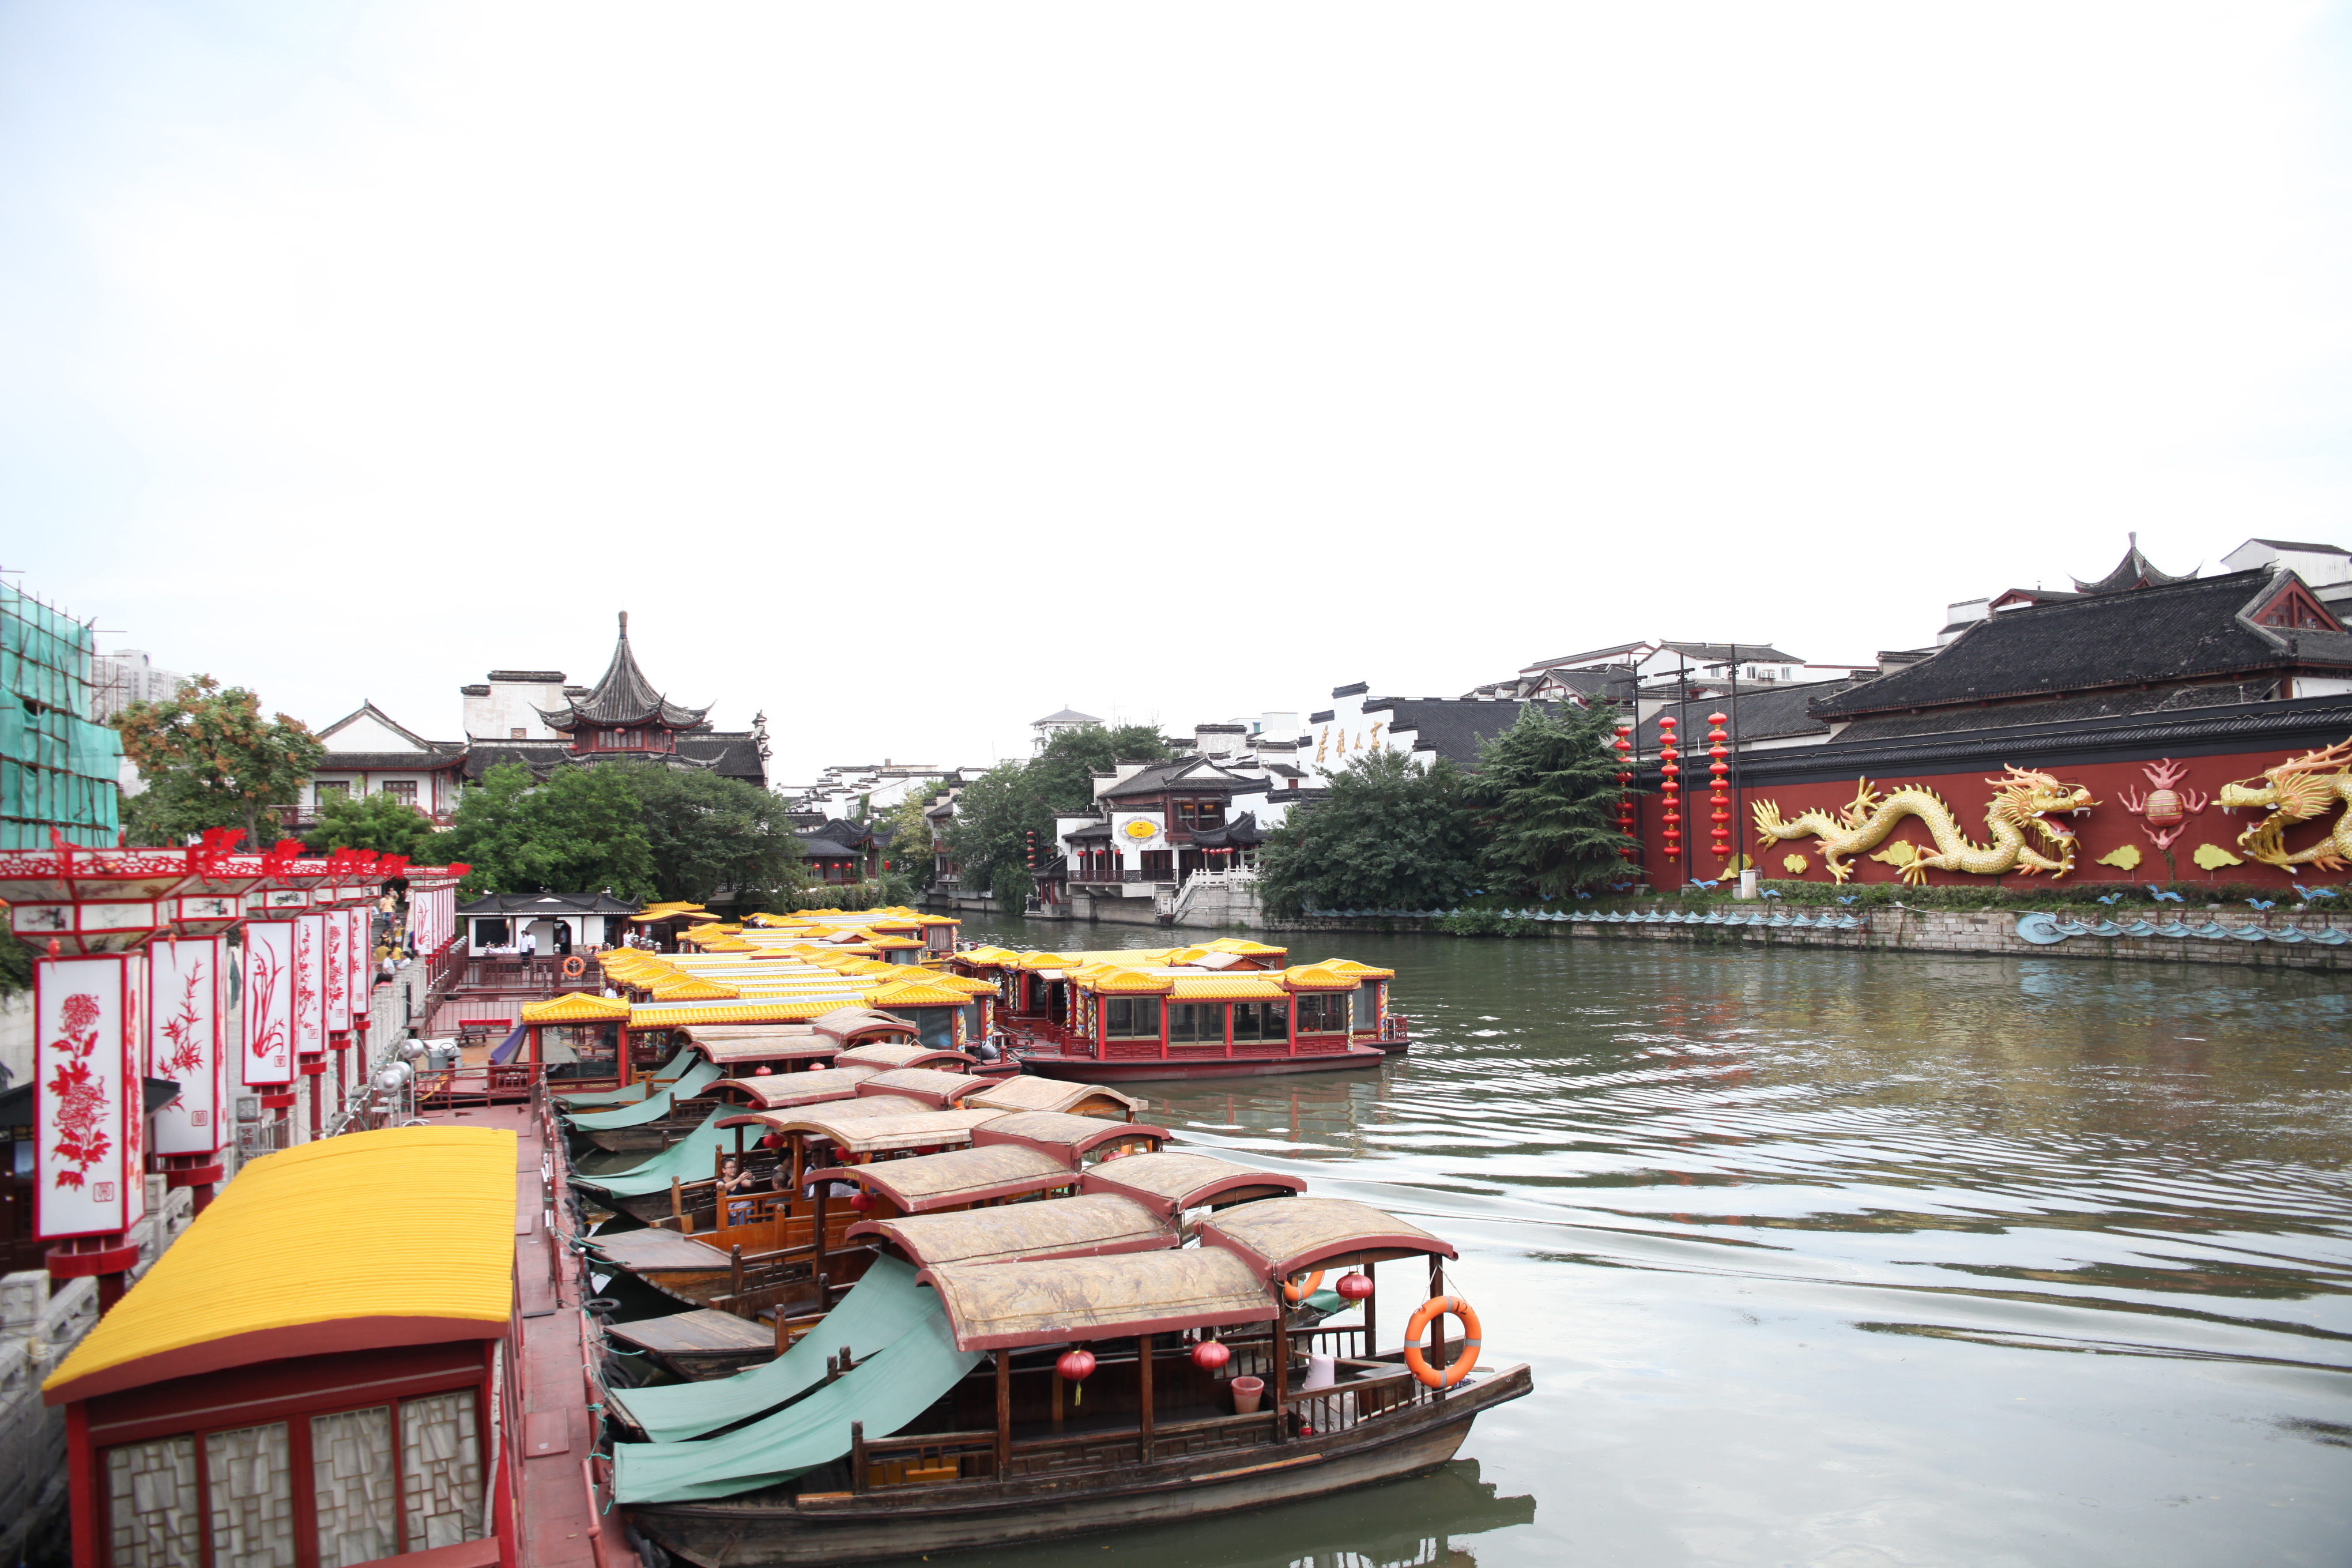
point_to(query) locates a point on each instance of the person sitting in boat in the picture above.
(736, 1184)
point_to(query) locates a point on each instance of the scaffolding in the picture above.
(58, 771)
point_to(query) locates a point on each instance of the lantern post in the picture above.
(1625, 823)
(1670, 770)
(275, 1015)
(1718, 791)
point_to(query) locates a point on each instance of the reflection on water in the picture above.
(1849, 1259)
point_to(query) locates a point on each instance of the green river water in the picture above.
(1835, 1260)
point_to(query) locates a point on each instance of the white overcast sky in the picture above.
(911, 370)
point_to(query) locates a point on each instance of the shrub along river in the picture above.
(1837, 1259)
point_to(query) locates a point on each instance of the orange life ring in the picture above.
(1294, 1293)
(1431, 1310)
(575, 967)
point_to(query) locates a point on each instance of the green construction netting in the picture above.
(654, 1106)
(886, 1394)
(666, 1072)
(881, 1306)
(690, 1159)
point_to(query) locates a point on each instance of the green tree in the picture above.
(1546, 792)
(581, 831)
(997, 812)
(210, 760)
(1390, 836)
(907, 832)
(707, 832)
(383, 823)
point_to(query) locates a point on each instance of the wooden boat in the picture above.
(1227, 1010)
(1007, 1450)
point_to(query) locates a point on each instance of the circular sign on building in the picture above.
(1139, 829)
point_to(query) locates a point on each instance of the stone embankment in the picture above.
(2286, 939)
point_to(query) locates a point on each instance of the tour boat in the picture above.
(1039, 1368)
(1231, 1008)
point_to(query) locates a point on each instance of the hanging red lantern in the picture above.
(861, 1200)
(772, 1141)
(1209, 1356)
(1354, 1287)
(1075, 1366)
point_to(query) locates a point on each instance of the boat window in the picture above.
(1258, 1020)
(937, 1026)
(1192, 1021)
(1361, 1012)
(1131, 1017)
(1322, 1011)
(350, 1485)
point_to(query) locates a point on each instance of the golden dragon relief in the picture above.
(2301, 789)
(2021, 800)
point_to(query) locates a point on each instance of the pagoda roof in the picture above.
(2134, 571)
(624, 698)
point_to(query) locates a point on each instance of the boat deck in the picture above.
(560, 1523)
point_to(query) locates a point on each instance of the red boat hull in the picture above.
(1094, 1069)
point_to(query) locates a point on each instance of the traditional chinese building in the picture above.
(2096, 729)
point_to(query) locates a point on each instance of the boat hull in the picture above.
(908, 1520)
(1090, 1069)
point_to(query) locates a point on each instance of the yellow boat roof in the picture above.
(313, 1251)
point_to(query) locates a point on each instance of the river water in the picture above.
(1836, 1260)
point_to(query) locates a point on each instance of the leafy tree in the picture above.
(907, 833)
(210, 760)
(1546, 792)
(998, 810)
(1389, 835)
(707, 832)
(581, 830)
(383, 823)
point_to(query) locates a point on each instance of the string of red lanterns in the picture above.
(1625, 824)
(1671, 769)
(1719, 795)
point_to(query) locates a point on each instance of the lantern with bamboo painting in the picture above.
(278, 1016)
(187, 1013)
(1718, 789)
(1670, 772)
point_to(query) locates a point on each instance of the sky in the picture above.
(910, 371)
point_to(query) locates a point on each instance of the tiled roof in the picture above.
(1452, 728)
(2058, 710)
(497, 904)
(1762, 712)
(2171, 635)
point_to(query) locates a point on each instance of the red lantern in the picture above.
(1075, 1366)
(772, 1141)
(762, 1070)
(1354, 1287)
(861, 1200)
(1208, 1355)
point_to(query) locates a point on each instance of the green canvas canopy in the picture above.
(691, 1159)
(654, 1106)
(666, 1073)
(886, 1394)
(884, 1305)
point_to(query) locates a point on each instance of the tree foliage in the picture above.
(211, 760)
(907, 832)
(638, 828)
(1546, 792)
(707, 832)
(998, 810)
(581, 831)
(1390, 836)
(383, 823)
